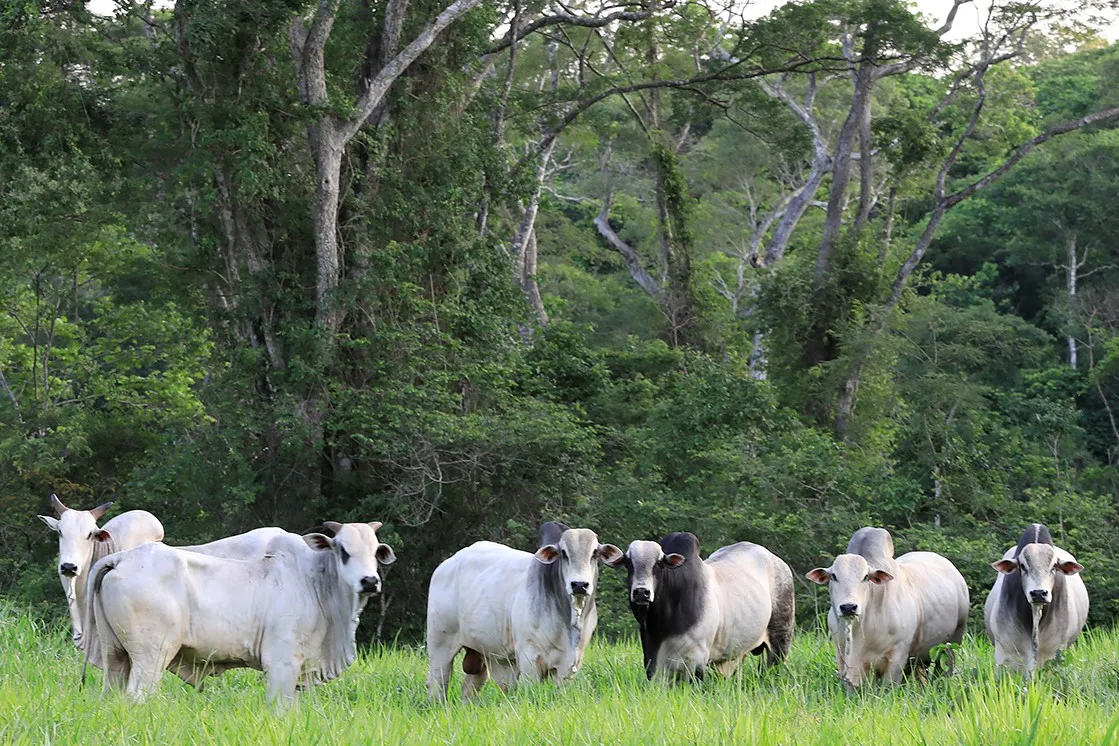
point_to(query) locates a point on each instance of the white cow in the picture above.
(885, 612)
(81, 543)
(291, 614)
(247, 546)
(1039, 603)
(515, 613)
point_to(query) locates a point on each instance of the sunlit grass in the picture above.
(381, 699)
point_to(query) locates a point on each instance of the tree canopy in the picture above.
(644, 267)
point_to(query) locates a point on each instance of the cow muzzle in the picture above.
(641, 596)
(370, 584)
(1039, 596)
(68, 569)
(849, 610)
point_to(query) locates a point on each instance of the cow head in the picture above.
(357, 552)
(576, 550)
(77, 533)
(849, 580)
(644, 562)
(1039, 566)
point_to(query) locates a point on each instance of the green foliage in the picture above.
(160, 342)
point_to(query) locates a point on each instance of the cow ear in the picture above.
(878, 577)
(610, 555)
(59, 508)
(375, 525)
(819, 576)
(547, 554)
(102, 535)
(1070, 567)
(100, 510)
(385, 555)
(319, 541)
(333, 526)
(52, 523)
(1005, 566)
(673, 560)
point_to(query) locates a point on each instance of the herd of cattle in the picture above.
(288, 605)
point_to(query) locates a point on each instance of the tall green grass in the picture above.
(381, 699)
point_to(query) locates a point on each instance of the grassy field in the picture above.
(381, 699)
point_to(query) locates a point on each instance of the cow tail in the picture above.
(91, 642)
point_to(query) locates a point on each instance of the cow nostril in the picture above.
(848, 609)
(580, 587)
(370, 584)
(69, 569)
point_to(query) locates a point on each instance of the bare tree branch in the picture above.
(569, 19)
(633, 261)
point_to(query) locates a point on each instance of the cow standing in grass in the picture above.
(291, 614)
(886, 612)
(81, 543)
(694, 613)
(517, 614)
(1039, 603)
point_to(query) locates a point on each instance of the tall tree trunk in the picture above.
(524, 242)
(841, 167)
(1071, 272)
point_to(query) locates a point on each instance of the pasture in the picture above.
(381, 699)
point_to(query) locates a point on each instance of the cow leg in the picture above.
(530, 664)
(148, 665)
(441, 659)
(281, 674)
(504, 675)
(118, 668)
(726, 669)
(895, 666)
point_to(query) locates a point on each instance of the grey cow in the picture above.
(1039, 603)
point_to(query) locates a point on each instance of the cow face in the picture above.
(77, 534)
(644, 562)
(577, 551)
(849, 580)
(358, 552)
(1039, 565)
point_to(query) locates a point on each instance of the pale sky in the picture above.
(967, 22)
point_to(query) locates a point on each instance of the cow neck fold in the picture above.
(681, 591)
(1015, 596)
(548, 583)
(339, 607)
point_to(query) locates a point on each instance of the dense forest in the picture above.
(646, 266)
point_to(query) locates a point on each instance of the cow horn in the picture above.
(334, 526)
(57, 505)
(100, 510)
(375, 525)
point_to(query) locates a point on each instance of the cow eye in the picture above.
(345, 555)
(563, 553)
